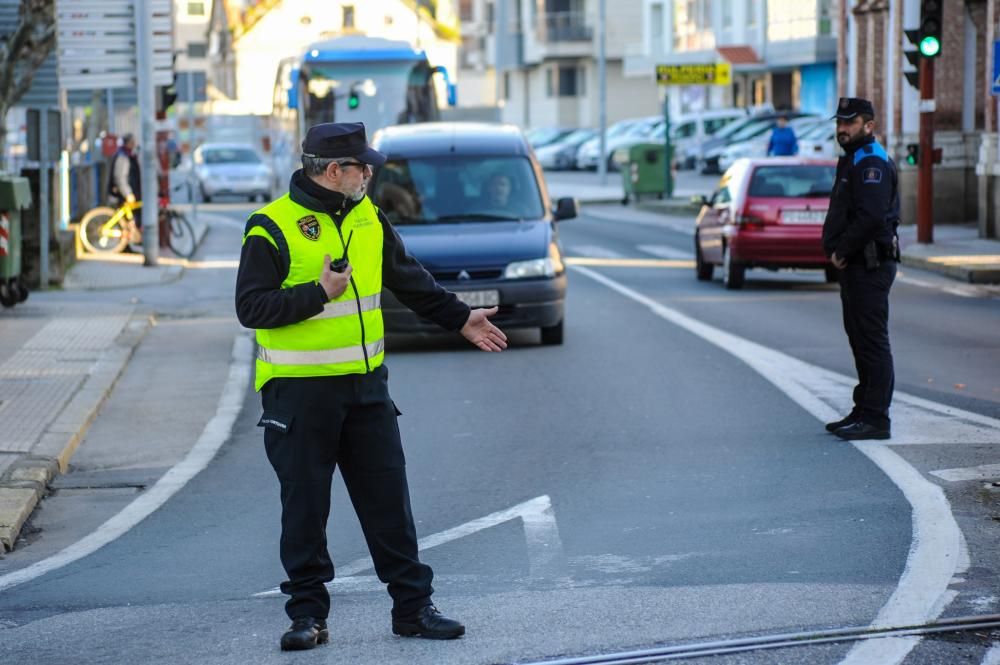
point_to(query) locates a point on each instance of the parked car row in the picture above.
(581, 149)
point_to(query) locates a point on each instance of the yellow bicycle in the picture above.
(106, 230)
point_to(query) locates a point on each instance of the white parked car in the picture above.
(633, 130)
(820, 142)
(232, 169)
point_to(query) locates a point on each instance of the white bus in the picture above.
(376, 81)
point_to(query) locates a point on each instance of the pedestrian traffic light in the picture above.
(353, 100)
(912, 154)
(930, 28)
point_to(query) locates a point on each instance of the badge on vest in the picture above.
(309, 226)
(871, 176)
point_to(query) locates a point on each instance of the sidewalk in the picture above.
(58, 364)
(957, 252)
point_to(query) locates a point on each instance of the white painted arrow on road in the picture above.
(545, 552)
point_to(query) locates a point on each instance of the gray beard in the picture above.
(357, 196)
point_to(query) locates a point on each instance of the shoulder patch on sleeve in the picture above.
(871, 175)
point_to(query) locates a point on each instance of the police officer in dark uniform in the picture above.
(859, 236)
(323, 384)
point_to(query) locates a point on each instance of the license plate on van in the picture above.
(803, 216)
(479, 298)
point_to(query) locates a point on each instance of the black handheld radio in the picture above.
(340, 265)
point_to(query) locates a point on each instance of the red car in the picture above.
(767, 213)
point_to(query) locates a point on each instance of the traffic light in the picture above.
(353, 100)
(930, 28)
(913, 57)
(912, 154)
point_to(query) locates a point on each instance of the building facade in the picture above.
(782, 52)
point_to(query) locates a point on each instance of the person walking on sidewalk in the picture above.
(859, 236)
(323, 383)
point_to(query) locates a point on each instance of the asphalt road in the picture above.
(638, 485)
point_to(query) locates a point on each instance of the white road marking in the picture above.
(981, 472)
(593, 251)
(666, 251)
(545, 551)
(938, 550)
(683, 225)
(992, 656)
(216, 433)
(962, 290)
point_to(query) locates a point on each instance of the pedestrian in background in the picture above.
(859, 236)
(322, 380)
(125, 180)
(783, 142)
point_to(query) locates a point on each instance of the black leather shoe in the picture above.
(305, 633)
(859, 431)
(843, 422)
(429, 623)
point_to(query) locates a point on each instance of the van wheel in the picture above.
(733, 272)
(703, 270)
(553, 334)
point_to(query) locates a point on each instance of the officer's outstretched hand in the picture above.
(482, 333)
(334, 283)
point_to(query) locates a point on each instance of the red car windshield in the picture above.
(792, 181)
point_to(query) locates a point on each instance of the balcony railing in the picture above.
(564, 27)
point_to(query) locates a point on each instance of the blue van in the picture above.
(469, 202)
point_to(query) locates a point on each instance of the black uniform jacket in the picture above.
(262, 303)
(864, 205)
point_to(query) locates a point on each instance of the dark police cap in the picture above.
(852, 106)
(341, 139)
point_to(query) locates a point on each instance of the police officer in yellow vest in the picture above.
(310, 280)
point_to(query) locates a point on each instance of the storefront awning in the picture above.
(739, 55)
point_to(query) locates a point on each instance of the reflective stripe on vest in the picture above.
(347, 307)
(324, 357)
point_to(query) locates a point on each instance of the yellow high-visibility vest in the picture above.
(347, 337)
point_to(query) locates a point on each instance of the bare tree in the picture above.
(22, 52)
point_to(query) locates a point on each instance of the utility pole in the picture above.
(925, 173)
(147, 141)
(602, 84)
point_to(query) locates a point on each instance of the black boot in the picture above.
(849, 419)
(429, 623)
(305, 633)
(862, 431)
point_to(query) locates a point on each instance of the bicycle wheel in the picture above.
(181, 240)
(100, 237)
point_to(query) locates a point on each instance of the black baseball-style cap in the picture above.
(341, 139)
(852, 106)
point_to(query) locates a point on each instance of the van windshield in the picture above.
(793, 181)
(450, 189)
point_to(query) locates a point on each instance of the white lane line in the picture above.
(594, 252)
(666, 251)
(981, 472)
(962, 290)
(216, 433)
(992, 656)
(545, 550)
(937, 552)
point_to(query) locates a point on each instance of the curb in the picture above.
(988, 274)
(26, 480)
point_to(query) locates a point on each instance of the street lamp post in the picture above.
(602, 84)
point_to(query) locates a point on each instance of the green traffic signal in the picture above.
(930, 46)
(353, 101)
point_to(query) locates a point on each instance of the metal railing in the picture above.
(564, 27)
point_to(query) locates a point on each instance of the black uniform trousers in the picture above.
(864, 295)
(313, 425)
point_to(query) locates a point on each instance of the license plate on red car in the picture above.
(803, 216)
(479, 298)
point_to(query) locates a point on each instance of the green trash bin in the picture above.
(644, 170)
(15, 195)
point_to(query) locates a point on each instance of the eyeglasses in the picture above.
(361, 164)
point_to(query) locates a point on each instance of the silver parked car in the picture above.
(232, 169)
